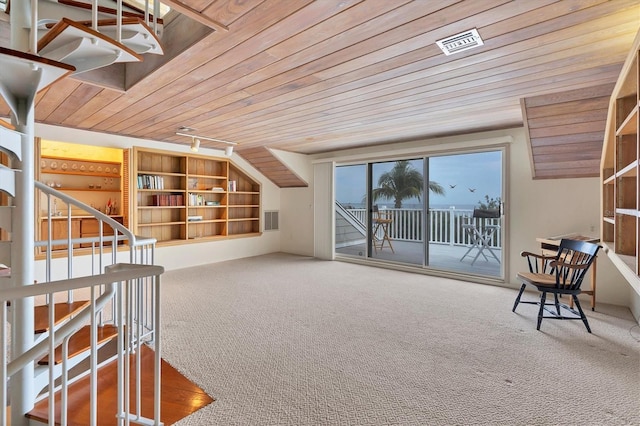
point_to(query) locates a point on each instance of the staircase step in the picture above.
(179, 397)
(136, 34)
(62, 312)
(7, 180)
(5, 271)
(81, 342)
(20, 79)
(82, 47)
(10, 140)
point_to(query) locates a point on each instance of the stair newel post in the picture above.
(119, 21)
(23, 264)
(23, 235)
(52, 354)
(158, 349)
(94, 15)
(138, 313)
(64, 382)
(3, 360)
(33, 34)
(156, 13)
(93, 359)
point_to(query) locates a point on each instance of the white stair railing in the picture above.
(104, 249)
(124, 279)
(134, 310)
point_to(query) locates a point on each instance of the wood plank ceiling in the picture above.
(316, 76)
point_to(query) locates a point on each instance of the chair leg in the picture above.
(557, 303)
(515, 305)
(543, 299)
(582, 315)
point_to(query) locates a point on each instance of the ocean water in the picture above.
(412, 206)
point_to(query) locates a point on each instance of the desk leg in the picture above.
(593, 285)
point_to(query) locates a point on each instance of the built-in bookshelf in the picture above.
(180, 198)
(620, 165)
(94, 182)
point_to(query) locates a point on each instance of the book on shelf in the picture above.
(233, 186)
(167, 200)
(150, 182)
(194, 218)
(196, 199)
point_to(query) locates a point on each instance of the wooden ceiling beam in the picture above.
(182, 8)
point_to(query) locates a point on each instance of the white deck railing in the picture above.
(445, 225)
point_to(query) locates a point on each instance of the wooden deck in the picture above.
(441, 257)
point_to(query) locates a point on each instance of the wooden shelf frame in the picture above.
(194, 177)
(620, 183)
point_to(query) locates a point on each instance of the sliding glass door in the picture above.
(351, 218)
(465, 213)
(440, 212)
(396, 205)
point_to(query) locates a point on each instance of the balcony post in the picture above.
(452, 223)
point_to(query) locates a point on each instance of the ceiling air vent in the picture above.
(459, 42)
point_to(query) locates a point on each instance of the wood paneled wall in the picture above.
(269, 165)
(566, 130)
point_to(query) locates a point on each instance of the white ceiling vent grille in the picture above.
(271, 221)
(460, 42)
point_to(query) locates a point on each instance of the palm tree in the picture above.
(403, 182)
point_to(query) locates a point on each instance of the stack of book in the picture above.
(150, 182)
(167, 200)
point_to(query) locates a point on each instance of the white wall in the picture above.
(296, 207)
(191, 254)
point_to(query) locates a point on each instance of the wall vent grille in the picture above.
(271, 221)
(460, 42)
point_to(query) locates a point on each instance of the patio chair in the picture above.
(481, 237)
(559, 275)
(381, 221)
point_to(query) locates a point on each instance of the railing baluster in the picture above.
(443, 225)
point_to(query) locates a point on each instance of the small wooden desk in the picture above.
(549, 247)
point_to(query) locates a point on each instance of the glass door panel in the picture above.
(465, 218)
(396, 207)
(351, 213)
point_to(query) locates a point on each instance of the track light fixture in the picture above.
(195, 142)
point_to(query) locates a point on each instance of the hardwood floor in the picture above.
(62, 312)
(81, 341)
(180, 397)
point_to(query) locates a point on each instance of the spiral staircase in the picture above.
(83, 345)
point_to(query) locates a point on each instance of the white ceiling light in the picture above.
(460, 42)
(195, 142)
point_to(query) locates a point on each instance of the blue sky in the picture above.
(480, 172)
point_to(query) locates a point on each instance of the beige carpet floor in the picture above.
(289, 340)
